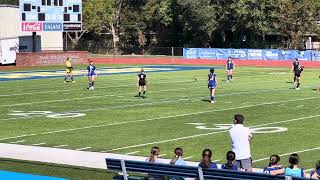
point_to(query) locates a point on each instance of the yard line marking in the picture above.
(63, 145)
(281, 105)
(228, 102)
(186, 158)
(159, 78)
(308, 170)
(149, 103)
(246, 103)
(15, 142)
(131, 153)
(80, 149)
(38, 144)
(158, 118)
(206, 134)
(161, 155)
(81, 98)
(299, 106)
(216, 160)
(64, 90)
(301, 151)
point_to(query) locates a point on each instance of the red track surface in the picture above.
(180, 61)
(268, 63)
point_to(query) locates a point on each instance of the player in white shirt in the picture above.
(240, 139)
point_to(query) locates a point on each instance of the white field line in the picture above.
(99, 87)
(81, 98)
(131, 153)
(158, 118)
(308, 170)
(112, 95)
(15, 142)
(149, 103)
(131, 77)
(38, 144)
(186, 158)
(84, 148)
(246, 103)
(109, 86)
(161, 155)
(176, 100)
(206, 134)
(299, 106)
(286, 154)
(59, 146)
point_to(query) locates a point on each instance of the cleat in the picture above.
(227, 81)
(212, 102)
(137, 95)
(73, 81)
(297, 89)
(65, 82)
(92, 88)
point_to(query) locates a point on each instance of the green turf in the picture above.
(174, 99)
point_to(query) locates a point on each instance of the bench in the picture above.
(170, 170)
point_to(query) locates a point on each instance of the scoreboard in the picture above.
(50, 15)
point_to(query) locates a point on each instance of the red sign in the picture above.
(31, 26)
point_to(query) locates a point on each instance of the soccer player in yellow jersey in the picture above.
(69, 69)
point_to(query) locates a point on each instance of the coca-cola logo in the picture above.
(32, 26)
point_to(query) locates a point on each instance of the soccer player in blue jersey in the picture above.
(212, 84)
(91, 73)
(229, 68)
(142, 83)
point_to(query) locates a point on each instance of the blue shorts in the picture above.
(91, 75)
(229, 69)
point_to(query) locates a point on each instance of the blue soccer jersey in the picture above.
(212, 80)
(230, 65)
(91, 70)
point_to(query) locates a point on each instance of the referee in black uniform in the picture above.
(295, 66)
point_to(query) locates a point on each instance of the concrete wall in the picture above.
(10, 26)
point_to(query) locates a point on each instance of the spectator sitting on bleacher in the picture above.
(231, 156)
(154, 159)
(316, 174)
(273, 164)
(177, 160)
(293, 170)
(206, 160)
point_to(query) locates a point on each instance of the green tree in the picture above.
(12, 2)
(295, 20)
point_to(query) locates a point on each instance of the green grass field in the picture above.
(116, 121)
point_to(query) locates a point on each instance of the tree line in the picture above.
(141, 24)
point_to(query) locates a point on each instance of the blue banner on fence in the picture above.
(249, 54)
(207, 53)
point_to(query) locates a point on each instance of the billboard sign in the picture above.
(50, 15)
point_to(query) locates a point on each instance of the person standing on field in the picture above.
(240, 139)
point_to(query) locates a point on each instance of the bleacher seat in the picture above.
(185, 171)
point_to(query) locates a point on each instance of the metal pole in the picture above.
(124, 170)
(66, 41)
(200, 173)
(34, 42)
(172, 55)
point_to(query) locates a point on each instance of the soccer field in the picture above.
(176, 113)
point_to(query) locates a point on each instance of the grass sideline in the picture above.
(125, 124)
